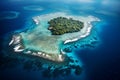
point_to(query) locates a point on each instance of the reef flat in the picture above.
(40, 42)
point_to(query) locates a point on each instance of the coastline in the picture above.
(76, 35)
(88, 30)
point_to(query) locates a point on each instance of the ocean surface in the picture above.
(99, 63)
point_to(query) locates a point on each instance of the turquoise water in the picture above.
(99, 60)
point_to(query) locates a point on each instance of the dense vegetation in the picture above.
(61, 25)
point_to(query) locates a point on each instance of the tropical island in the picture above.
(45, 40)
(52, 39)
(62, 25)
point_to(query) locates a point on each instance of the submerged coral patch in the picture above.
(33, 8)
(9, 15)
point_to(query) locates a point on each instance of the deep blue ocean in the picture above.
(100, 63)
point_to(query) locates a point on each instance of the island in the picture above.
(50, 33)
(62, 25)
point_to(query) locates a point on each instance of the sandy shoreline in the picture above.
(87, 32)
